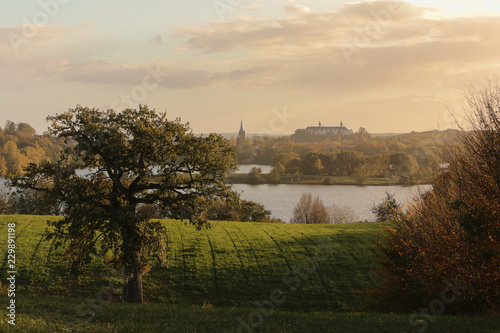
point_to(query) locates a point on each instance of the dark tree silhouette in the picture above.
(131, 158)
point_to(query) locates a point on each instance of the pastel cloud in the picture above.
(361, 45)
(377, 55)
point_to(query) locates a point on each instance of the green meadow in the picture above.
(234, 276)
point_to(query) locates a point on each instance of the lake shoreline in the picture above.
(243, 178)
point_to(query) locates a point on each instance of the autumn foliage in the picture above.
(453, 232)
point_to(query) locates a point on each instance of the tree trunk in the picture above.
(132, 289)
(134, 268)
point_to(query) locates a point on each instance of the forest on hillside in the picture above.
(20, 145)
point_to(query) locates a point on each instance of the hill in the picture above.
(232, 263)
(234, 277)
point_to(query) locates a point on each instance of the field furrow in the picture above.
(230, 264)
(311, 258)
(245, 243)
(294, 275)
(245, 272)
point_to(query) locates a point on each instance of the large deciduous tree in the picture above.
(115, 162)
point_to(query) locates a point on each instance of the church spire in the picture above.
(241, 133)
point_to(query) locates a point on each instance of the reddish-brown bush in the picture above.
(453, 232)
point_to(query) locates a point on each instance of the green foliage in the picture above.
(403, 165)
(293, 167)
(347, 162)
(132, 158)
(388, 210)
(255, 176)
(26, 129)
(244, 211)
(10, 127)
(328, 180)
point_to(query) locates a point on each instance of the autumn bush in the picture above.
(451, 235)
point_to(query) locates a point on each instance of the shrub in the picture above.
(255, 176)
(328, 180)
(150, 211)
(244, 211)
(32, 202)
(342, 214)
(388, 209)
(310, 211)
(453, 232)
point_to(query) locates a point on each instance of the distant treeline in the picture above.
(20, 145)
(414, 155)
(411, 156)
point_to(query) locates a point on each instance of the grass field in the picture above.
(264, 277)
(50, 314)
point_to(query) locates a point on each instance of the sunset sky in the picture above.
(278, 64)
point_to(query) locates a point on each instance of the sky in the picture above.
(278, 65)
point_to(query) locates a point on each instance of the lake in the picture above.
(282, 198)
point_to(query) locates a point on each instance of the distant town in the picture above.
(320, 129)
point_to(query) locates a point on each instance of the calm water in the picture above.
(281, 199)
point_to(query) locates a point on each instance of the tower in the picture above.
(241, 133)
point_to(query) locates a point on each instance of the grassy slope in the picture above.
(231, 266)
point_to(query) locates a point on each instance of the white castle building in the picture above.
(329, 129)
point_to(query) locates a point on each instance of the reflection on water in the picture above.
(281, 199)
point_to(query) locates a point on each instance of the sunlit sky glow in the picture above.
(384, 65)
